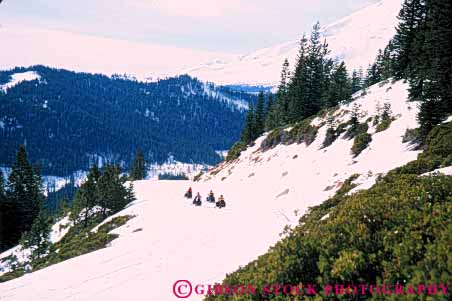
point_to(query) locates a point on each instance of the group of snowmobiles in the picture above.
(220, 203)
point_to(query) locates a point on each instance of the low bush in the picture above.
(236, 150)
(399, 231)
(384, 125)
(198, 176)
(360, 143)
(412, 136)
(301, 132)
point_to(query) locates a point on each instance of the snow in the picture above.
(447, 171)
(449, 119)
(17, 78)
(60, 229)
(354, 39)
(326, 216)
(22, 255)
(169, 239)
(237, 103)
(174, 167)
(55, 183)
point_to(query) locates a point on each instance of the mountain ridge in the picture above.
(373, 26)
(92, 116)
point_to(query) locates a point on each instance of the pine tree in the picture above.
(38, 188)
(282, 107)
(386, 67)
(340, 87)
(38, 238)
(3, 210)
(430, 114)
(270, 119)
(354, 121)
(356, 82)
(86, 197)
(138, 170)
(438, 49)
(248, 132)
(424, 50)
(298, 87)
(316, 63)
(23, 197)
(111, 192)
(259, 122)
(411, 18)
(373, 75)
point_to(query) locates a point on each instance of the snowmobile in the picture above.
(221, 203)
(210, 198)
(188, 194)
(197, 200)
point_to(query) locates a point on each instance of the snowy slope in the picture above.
(354, 39)
(17, 78)
(169, 239)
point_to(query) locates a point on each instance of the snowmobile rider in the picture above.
(211, 197)
(197, 200)
(221, 203)
(188, 194)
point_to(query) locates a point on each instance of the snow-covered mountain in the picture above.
(43, 107)
(169, 239)
(354, 39)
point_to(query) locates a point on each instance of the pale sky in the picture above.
(236, 26)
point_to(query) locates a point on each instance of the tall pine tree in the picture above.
(138, 170)
(282, 105)
(411, 19)
(340, 87)
(3, 210)
(24, 198)
(259, 122)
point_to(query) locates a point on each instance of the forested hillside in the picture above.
(69, 120)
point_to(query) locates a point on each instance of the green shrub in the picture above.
(360, 143)
(439, 141)
(274, 138)
(447, 162)
(384, 125)
(354, 131)
(236, 150)
(198, 176)
(78, 241)
(411, 136)
(19, 272)
(301, 132)
(332, 134)
(330, 137)
(437, 151)
(398, 231)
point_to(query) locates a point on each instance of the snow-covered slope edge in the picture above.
(17, 78)
(169, 239)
